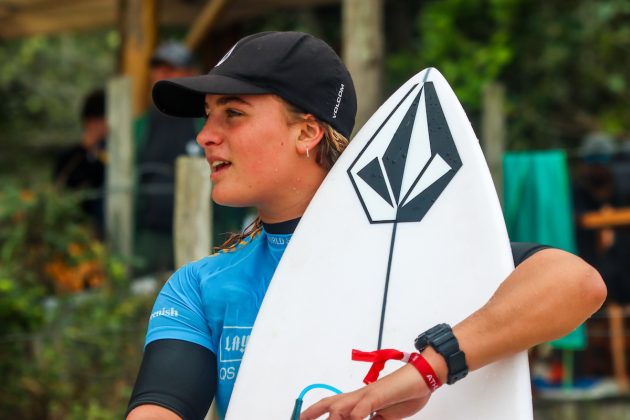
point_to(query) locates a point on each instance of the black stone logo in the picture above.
(433, 170)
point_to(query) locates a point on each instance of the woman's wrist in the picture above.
(437, 362)
(425, 370)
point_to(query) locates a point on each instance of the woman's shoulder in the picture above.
(190, 275)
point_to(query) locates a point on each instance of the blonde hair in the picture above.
(329, 149)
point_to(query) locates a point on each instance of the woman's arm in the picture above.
(152, 412)
(177, 379)
(547, 296)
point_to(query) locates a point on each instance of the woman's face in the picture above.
(251, 149)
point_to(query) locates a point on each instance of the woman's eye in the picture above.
(233, 113)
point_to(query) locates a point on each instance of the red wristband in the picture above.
(425, 370)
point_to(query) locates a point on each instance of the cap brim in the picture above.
(185, 96)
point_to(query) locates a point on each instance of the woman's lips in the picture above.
(219, 165)
(217, 168)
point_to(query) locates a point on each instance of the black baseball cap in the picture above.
(301, 69)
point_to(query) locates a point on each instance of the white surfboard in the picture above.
(405, 232)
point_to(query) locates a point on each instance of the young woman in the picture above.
(279, 108)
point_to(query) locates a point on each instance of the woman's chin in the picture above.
(227, 200)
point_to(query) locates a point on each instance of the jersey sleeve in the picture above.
(177, 375)
(178, 311)
(523, 250)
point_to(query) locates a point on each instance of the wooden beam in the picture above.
(54, 18)
(49, 17)
(202, 26)
(22, 18)
(139, 34)
(606, 218)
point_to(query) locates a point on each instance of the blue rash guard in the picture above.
(213, 302)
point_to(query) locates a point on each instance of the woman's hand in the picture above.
(395, 396)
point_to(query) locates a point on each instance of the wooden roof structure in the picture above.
(137, 21)
(209, 24)
(24, 18)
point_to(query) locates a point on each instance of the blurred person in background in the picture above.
(621, 172)
(159, 140)
(82, 167)
(596, 190)
(620, 249)
(601, 187)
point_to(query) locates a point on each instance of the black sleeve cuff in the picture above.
(523, 250)
(178, 375)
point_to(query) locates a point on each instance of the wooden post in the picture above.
(193, 211)
(120, 168)
(193, 217)
(363, 53)
(618, 346)
(139, 33)
(493, 133)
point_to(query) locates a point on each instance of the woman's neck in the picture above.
(292, 201)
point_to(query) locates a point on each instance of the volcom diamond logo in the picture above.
(399, 177)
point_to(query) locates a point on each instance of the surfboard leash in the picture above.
(297, 408)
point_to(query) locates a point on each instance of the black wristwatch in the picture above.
(441, 338)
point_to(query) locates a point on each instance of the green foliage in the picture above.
(42, 78)
(469, 41)
(564, 63)
(70, 338)
(43, 81)
(88, 363)
(570, 74)
(81, 362)
(35, 228)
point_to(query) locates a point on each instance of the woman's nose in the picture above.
(208, 135)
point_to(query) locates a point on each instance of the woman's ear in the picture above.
(310, 134)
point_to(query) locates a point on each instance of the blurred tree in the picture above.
(42, 82)
(570, 75)
(564, 63)
(467, 40)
